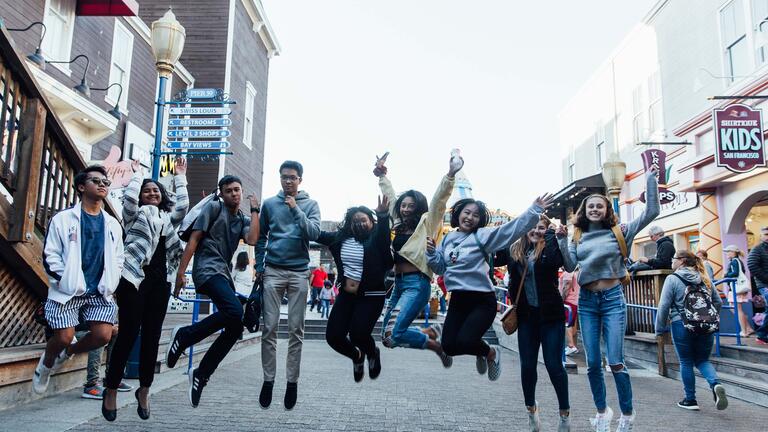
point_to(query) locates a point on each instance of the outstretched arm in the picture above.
(131, 196)
(182, 196)
(651, 210)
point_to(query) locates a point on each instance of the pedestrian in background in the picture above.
(736, 270)
(570, 288)
(693, 349)
(758, 268)
(326, 296)
(242, 274)
(704, 257)
(316, 283)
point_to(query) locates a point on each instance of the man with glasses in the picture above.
(83, 256)
(288, 222)
(758, 267)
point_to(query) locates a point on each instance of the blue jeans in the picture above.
(410, 295)
(604, 315)
(532, 333)
(693, 350)
(326, 303)
(762, 331)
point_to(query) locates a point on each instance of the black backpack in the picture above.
(699, 314)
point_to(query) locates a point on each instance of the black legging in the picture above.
(351, 323)
(143, 308)
(470, 314)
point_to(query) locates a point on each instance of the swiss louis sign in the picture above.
(739, 138)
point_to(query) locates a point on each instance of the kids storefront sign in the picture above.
(739, 142)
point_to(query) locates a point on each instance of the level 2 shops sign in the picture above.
(739, 138)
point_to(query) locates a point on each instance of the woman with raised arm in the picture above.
(598, 247)
(361, 250)
(413, 222)
(153, 250)
(463, 259)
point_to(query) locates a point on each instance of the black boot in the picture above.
(265, 397)
(290, 396)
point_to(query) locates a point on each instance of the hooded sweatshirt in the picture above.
(673, 295)
(286, 232)
(665, 250)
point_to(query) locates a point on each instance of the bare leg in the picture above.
(60, 341)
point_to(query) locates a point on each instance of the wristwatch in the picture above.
(255, 210)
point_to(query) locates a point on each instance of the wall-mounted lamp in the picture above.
(115, 112)
(36, 57)
(81, 88)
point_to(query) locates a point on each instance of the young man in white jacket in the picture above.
(83, 257)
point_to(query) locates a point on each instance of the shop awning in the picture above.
(570, 196)
(107, 8)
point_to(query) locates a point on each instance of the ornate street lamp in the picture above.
(614, 173)
(167, 44)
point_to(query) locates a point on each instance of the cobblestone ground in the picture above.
(413, 393)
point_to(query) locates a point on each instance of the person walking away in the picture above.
(758, 268)
(316, 285)
(598, 248)
(736, 270)
(289, 222)
(242, 274)
(463, 257)
(533, 263)
(83, 257)
(326, 296)
(216, 234)
(686, 292)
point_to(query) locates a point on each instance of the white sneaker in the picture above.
(494, 367)
(63, 357)
(41, 376)
(481, 364)
(602, 422)
(565, 424)
(626, 423)
(571, 351)
(534, 423)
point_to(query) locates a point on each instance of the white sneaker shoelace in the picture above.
(602, 422)
(626, 423)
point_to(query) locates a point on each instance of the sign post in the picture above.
(740, 146)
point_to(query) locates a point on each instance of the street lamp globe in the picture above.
(167, 43)
(614, 172)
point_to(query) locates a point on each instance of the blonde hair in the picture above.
(519, 248)
(691, 260)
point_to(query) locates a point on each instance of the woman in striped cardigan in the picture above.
(152, 252)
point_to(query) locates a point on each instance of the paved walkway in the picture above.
(414, 393)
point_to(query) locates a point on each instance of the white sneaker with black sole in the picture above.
(494, 366)
(41, 377)
(721, 400)
(196, 385)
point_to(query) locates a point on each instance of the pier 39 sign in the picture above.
(739, 138)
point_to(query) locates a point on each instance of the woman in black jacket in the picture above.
(362, 252)
(535, 259)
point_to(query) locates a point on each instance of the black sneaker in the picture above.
(721, 400)
(290, 396)
(265, 397)
(358, 367)
(374, 364)
(175, 348)
(196, 385)
(689, 404)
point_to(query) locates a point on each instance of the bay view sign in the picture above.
(739, 143)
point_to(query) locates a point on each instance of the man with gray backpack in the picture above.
(692, 304)
(213, 230)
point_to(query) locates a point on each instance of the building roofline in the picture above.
(262, 26)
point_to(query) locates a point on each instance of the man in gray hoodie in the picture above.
(288, 222)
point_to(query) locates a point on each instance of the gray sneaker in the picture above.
(534, 422)
(565, 424)
(626, 423)
(494, 367)
(481, 364)
(721, 400)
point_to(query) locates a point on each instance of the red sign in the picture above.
(658, 158)
(739, 138)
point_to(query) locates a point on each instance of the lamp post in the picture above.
(167, 44)
(614, 172)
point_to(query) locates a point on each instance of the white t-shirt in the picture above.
(243, 281)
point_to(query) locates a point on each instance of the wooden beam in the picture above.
(25, 199)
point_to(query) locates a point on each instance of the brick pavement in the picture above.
(414, 393)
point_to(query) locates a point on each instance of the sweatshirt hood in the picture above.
(664, 240)
(301, 195)
(689, 274)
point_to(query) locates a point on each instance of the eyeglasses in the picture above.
(292, 178)
(99, 181)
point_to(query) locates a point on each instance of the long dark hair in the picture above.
(242, 261)
(410, 223)
(165, 202)
(485, 215)
(349, 228)
(581, 222)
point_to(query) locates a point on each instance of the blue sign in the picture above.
(197, 144)
(199, 133)
(203, 93)
(200, 111)
(212, 122)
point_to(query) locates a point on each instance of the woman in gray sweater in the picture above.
(692, 349)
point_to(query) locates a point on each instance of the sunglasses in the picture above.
(99, 181)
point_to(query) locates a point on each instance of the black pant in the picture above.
(229, 317)
(138, 309)
(315, 297)
(470, 314)
(351, 323)
(532, 333)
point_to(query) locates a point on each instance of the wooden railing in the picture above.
(644, 290)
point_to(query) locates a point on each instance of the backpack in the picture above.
(185, 228)
(699, 314)
(616, 229)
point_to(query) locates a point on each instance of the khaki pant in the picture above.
(278, 282)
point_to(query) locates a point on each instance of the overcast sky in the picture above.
(419, 77)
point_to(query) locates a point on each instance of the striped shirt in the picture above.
(352, 256)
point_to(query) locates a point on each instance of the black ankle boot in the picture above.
(265, 397)
(290, 396)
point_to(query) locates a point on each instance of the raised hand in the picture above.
(430, 245)
(456, 164)
(380, 168)
(180, 166)
(545, 201)
(562, 231)
(135, 165)
(383, 206)
(653, 170)
(254, 201)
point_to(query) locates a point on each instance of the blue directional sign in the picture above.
(199, 133)
(202, 93)
(197, 144)
(211, 122)
(200, 111)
